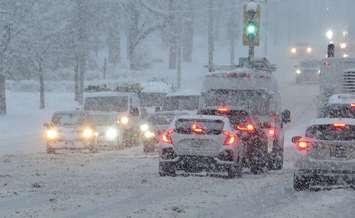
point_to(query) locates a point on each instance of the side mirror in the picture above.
(286, 116)
(296, 139)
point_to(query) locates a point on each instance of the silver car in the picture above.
(196, 143)
(327, 154)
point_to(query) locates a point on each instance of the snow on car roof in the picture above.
(70, 112)
(184, 92)
(155, 87)
(108, 94)
(326, 121)
(203, 117)
(96, 113)
(342, 99)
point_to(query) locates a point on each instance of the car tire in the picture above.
(277, 157)
(148, 150)
(167, 169)
(93, 148)
(234, 171)
(300, 183)
(50, 150)
(259, 160)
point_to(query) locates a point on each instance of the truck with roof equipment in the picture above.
(253, 94)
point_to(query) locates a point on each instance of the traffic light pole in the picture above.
(251, 49)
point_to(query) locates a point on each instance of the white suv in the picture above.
(200, 143)
(327, 154)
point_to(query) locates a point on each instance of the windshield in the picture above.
(253, 101)
(103, 119)
(179, 103)
(235, 116)
(338, 111)
(68, 119)
(310, 64)
(331, 132)
(106, 103)
(161, 119)
(199, 126)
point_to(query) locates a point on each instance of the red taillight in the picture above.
(230, 138)
(303, 145)
(271, 132)
(223, 109)
(197, 129)
(166, 137)
(353, 106)
(339, 125)
(248, 127)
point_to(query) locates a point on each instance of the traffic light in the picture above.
(251, 29)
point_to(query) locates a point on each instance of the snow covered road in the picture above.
(127, 184)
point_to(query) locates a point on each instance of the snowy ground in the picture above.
(126, 183)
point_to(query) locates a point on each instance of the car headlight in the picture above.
(88, 133)
(298, 71)
(144, 127)
(111, 134)
(124, 120)
(149, 134)
(52, 134)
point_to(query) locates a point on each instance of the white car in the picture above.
(339, 105)
(327, 154)
(196, 143)
(70, 130)
(107, 131)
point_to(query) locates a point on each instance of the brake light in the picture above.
(339, 125)
(303, 145)
(166, 137)
(222, 109)
(271, 132)
(230, 138)
(353, 106)
(249, 127)
(197, 129)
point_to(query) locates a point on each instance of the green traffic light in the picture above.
(251, 29)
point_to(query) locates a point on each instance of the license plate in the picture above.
(338, 151)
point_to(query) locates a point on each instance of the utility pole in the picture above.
(42, 103)
(179, 47)
(266, 25)
(210, 36)
(2, 95)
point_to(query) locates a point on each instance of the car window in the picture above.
(199, 126)
(106, 103)
(161, 119)
(338, 111)
(331, 132)
(103, 119)
(68, 119)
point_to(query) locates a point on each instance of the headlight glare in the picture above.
(144, 127)
(88, 133)
(111, 134)
(149, 134)
(52, 134)
(124, 120)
